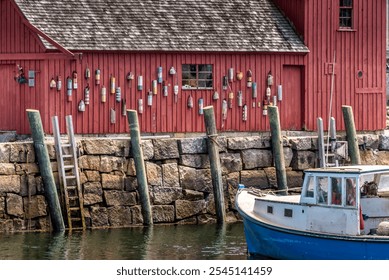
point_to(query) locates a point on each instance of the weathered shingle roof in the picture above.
(164, 25)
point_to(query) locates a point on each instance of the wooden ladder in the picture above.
(69, 177)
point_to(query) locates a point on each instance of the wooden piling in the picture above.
(42, 155)
(320, 140)
(141, 177)
(213, 152)
(351, 133)
(278, 151)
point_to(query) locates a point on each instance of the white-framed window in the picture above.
(197, 76)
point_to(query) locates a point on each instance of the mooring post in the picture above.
(216, 173)
(42, 154)
(141, 177)
(320, 142)
(351, 134)
(278, 151)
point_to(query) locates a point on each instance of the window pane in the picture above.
(205, 67)
(350, 192)
(322, 190)
(336, 190)
(310, 190)
(346, 3)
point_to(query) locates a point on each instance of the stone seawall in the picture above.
(178, 175)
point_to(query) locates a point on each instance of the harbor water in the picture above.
(159, 242)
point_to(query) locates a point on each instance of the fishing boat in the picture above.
(340, 213)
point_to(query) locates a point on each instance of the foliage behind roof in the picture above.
(164, 25)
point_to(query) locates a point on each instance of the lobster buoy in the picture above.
(113, 116)
(140, 83)
(215, 95)
(225, 82)
(159, 76)
(240, 99)
(53, 83)
(224, 109)
(118, 94)
(69, 84)
(124, 108)
(201, 106)
(279, 92)
(249, 78)
(155, 87)
(231, 75)
(86, 94)
(254, 90)
(87, 73)
(75, 83)
(244, 113)
(165, 88)
(150, 99)
(112, 81)
(103, 94)
(269, 79)
(190, 102)
(59, 83)
(81, 106)
(230, 99)
(97, 76)
(140, 106)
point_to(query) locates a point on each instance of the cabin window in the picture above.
(309, 191)
(270, 209)
(288, 213)
(322, 189)
(350, 192)
(336, 191)
(197, 76)
(345, 14)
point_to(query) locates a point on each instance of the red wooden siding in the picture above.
(165, 115)
(360, 49)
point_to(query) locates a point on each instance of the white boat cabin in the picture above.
(347, 200)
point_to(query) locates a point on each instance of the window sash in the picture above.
(197, 76)
(345, 13)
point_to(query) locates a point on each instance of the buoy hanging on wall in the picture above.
(140, 83)
(224, 109)
(231, 75)
(112, 83)
(225, 82)
(69, 87)
(254, 90)
(103, 94)
(150, 99)
(190, 102)
(87, 73)
(97, 76)
(59, 83)
(155, 87)
(86, 94)
(240, 99)
(201, 106)
(215, 95)
(159, 75)
(124, 109)
(165, 88)
(81, 106)
(269, 79)
(244, 113)
(140, 106)
(75, 83)
(118, 94)
(230, 99)
(53, 83)
(113, 116)
(249, 78)
(279, 92)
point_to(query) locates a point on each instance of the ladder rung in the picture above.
(68, 166)
(71, 187)
(73, 197)
(67, 156)
(76, 219)
(74, 208)
(66, 145)
(70, 177)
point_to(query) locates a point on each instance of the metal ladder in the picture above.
(69, 177)
(331, 152)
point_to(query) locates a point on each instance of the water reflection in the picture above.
(184, 242)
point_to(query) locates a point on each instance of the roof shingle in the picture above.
(164, 25)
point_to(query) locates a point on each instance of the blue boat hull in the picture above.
(279, 243)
